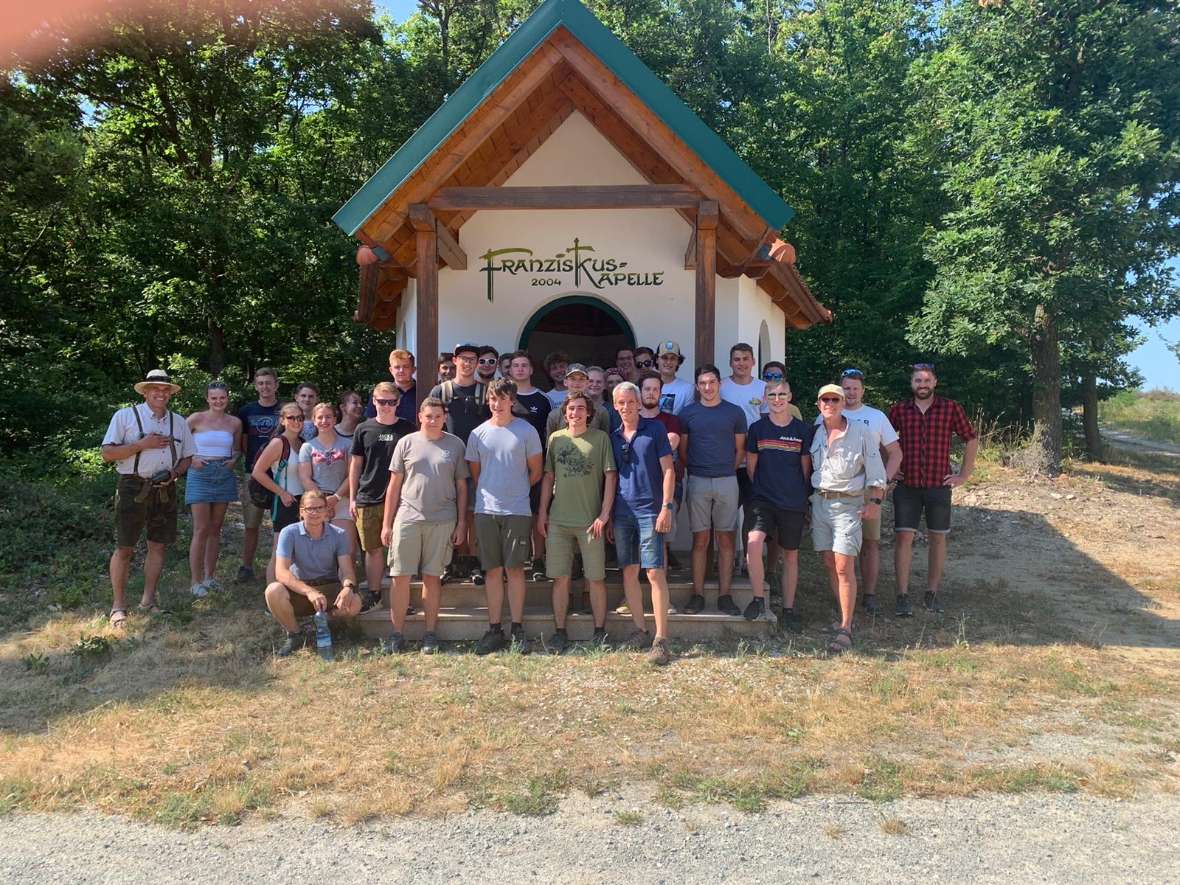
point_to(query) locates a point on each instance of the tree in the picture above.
(1059, 130)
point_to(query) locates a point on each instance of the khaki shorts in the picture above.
(713, 503)
(420, 548)
(251, 513)
(156, 514)
(302, 605)
(503, 541)
(559, 552)
(368, 525)
(835, 524)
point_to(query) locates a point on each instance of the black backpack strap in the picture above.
(139, 424)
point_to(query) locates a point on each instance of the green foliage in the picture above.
(1154, 415)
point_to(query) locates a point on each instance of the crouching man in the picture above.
(310, 557)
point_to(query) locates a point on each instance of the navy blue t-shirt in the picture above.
(641, 481)
(778, 475)
(710, 432)
(258, 425)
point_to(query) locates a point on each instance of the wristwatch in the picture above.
(667, 505)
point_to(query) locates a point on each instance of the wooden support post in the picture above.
(706, 301)
(426, 247)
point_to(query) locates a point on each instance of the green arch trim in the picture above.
(566, 300)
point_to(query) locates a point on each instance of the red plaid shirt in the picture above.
(926, 439)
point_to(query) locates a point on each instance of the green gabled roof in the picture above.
(580, 22)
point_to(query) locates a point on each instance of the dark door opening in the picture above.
(586, 328)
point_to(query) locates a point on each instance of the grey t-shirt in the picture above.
(329, 466)
(502, 454)
(430, 468)
(711, 430)
(313, 559)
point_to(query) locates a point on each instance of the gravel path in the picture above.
(1147, 446)
(1050, 838)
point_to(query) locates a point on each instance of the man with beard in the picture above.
(925, 425)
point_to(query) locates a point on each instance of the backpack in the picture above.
(448, 393)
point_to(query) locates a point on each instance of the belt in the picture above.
(829, 494)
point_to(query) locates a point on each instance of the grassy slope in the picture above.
(1154, 415)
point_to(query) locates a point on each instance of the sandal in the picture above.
(841, 643)
(118, 617)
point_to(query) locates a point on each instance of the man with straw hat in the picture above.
(150, 446)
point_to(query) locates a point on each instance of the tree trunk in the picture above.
(216, 348)
(1046, 397)
(1090, 417)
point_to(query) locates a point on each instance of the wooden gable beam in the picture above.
(449, 249)
(618, 196)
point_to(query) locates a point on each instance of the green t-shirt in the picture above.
(578, 465)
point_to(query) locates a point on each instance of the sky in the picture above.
(1158, 365)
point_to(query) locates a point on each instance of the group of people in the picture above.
(486, 477)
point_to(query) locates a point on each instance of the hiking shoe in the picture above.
(695, 605)
(638, 640)
(754, 610)
(293, 643)
(245, 573)
(450, 575)
(659, 656)
(394, 644)
(493, 640)
(369, 600)
(521, 640)
(600, 638)
(727, 606)
(870, 604)
(789, 621)
(931, 603)
(429, 644)
(558, 643)
(904, 609)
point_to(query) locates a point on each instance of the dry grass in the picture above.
(190, 723)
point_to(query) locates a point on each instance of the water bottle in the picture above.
(323, 636)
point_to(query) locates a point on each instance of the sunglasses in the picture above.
(385, 402)
(852, 373)
(644, 364)
(292, 417)
(772, 376)
(626, 452)
(489, 362)
(779, 395)
(923, 367)
(829, 399)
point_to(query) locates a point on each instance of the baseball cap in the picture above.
(463, 348)
(575, 368)
(833, 389)
(668, 347)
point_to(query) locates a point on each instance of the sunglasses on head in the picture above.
(852, 373)
(772, 376)
(923, 367)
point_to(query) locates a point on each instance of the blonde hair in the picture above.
(401, 355)
(319, 407)
(388, 388)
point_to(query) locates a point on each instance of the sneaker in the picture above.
(394, 644)
(931, 604)
(600, 638)
(695, 605)
(369, 600)
(245, 573)
(450, 575)
(659, 656)
(199, 590)
(477, 577)
(904, 609)
(493, 640)
(673, 610)
(638, 640)
(558, 643)
(754, 610)
(789, 621)
(870, 604)
(727, 606)
(293, 643)
(429, 644)
(520, 639)
(214, 586)
(538, 571)
(623, 609)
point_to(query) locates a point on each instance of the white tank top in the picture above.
(213, 444)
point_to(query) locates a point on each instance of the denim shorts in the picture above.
(638, 543)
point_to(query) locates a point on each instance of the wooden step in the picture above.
(469, 623)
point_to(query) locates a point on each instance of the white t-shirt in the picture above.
(876, 422)
(750, 398)
(675, 395)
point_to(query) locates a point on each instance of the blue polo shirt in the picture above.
(641, 481)
(313, 559)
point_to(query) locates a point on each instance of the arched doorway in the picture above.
(585, 327)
